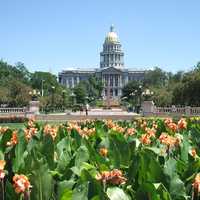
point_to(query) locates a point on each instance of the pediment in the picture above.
(111, 70)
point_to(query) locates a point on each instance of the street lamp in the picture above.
(34, 94)
(63, 96)
(147, 94)
(52, 97)
(73, 97)
(42, 91)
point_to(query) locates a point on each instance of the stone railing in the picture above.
(29, 111)
(165, 110)
(13, 110)
(150, 109)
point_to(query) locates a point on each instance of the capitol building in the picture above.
(112, 70)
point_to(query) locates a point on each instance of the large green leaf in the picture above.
(63, 145)
(185, 147)
(67, 195)
(149, 168)
(41, 180)
(20, 152)
(119, 152)
(115, 193)
(48, 150)
(5, 137)
(152, 191)
(65, 188)
(80, 192)
(82, 155)
(176, 185)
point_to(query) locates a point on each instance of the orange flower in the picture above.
(145, 139)
(2, 165)
(118, 129)
(172, 126)
(182, 124)
(31, 122)
(130, 131)
(29, 133)
(110, 123)
(143, 124)
(168, 121)
(114, 177)
(170, 141)
(103, 152)
(193, 153)
(21, 183)
(154, 125)
(150, 132)
(14, 140)
(50, 130)
(3, 129)
(196, 183)
(87, 132)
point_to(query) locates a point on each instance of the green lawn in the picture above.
(13, 125)
(21, 125)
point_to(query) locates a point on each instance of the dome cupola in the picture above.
(112, 37)
(112, 54)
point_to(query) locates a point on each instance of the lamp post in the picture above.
(52, 97)
(86, 105)
(73, 98)
(63, 96)
(34, 94)
(42, 90)
(147, 94)
(34, 103)
(148, 107)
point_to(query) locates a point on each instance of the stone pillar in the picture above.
(33, 109)
(72, 81)
(188, 110)
(148, 108)
(126, 79)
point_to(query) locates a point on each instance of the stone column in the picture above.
(148, 108)
(126, 79)
(72, 81)
(188, 110)
(114, 75)
(33, 109)
(120, 80)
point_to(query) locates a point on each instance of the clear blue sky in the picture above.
(57, 34)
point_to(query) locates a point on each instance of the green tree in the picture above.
(80, 92)
(132, 93)
(156, 77)
(44, 79)
(19, 94)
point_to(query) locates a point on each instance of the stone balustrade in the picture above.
(13, 110)
(150, 109)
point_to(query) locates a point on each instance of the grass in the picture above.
(13, 125)
(21, 125)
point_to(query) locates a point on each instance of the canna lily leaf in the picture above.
(115, 193)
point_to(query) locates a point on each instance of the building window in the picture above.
(112, 57)
(116, 80)
(111, 92)
(75, 80)
(111, 80)
(116, 92)
(70, 82)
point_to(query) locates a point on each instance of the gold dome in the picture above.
(112, 37)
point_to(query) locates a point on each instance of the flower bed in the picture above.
(12, 119)
(155, 159)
